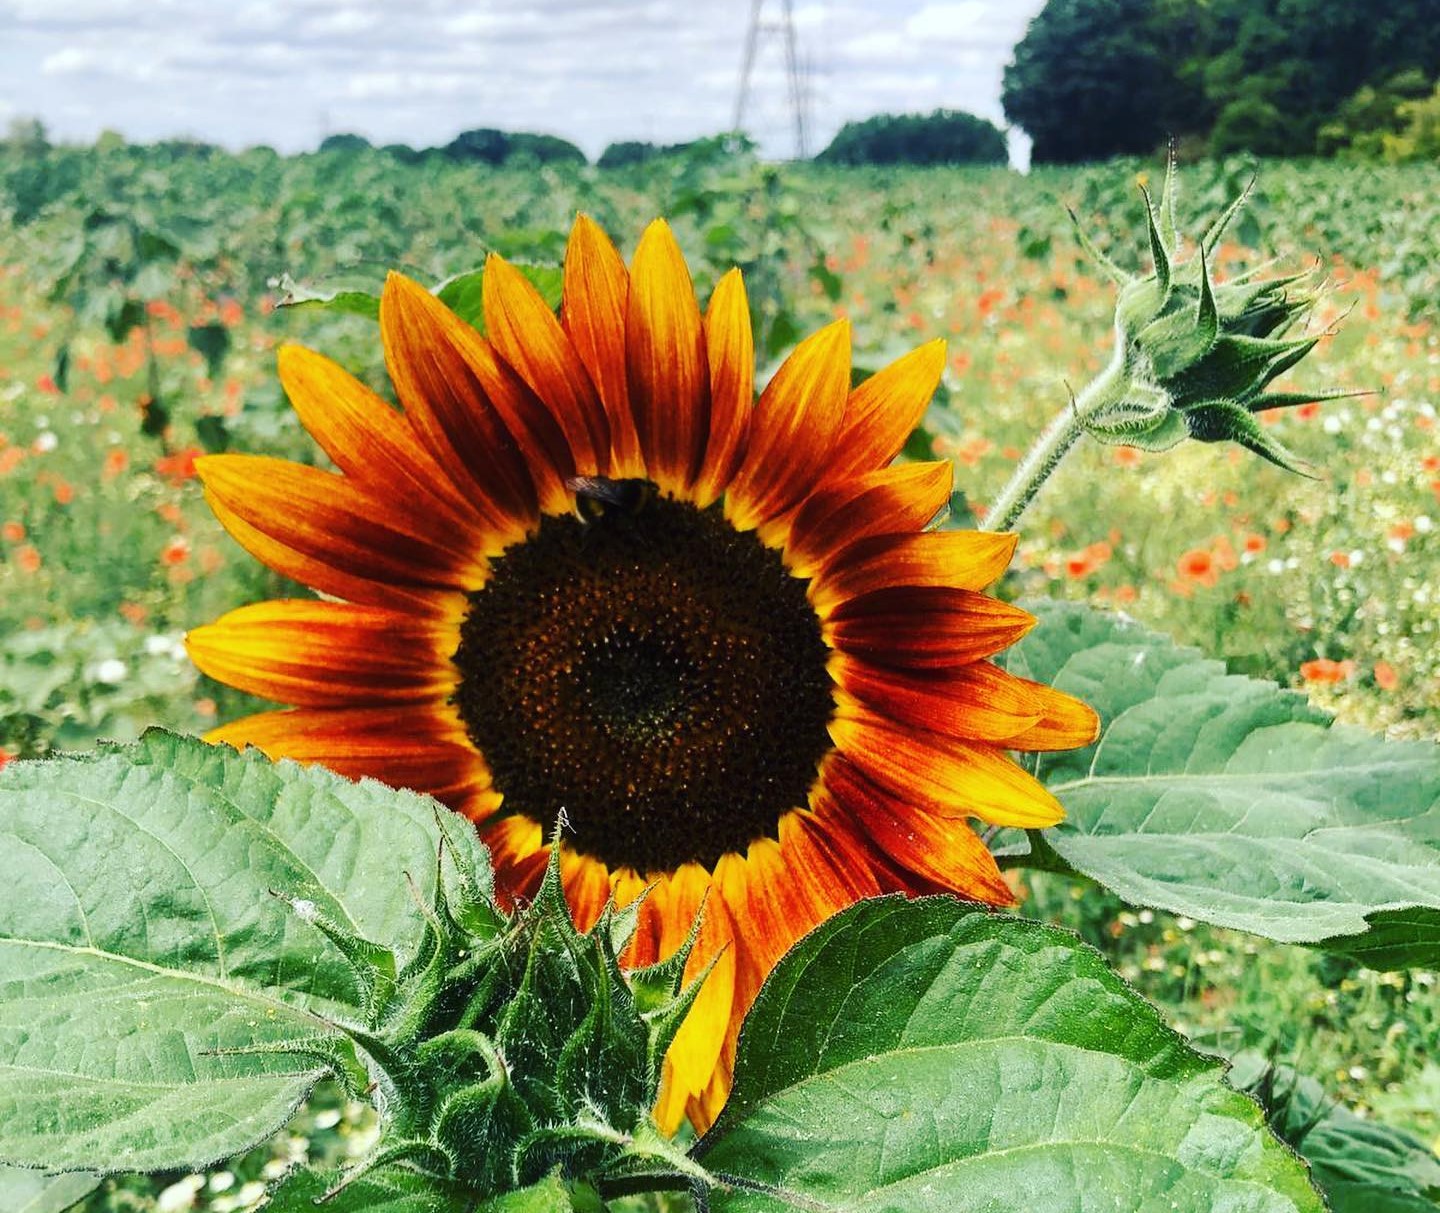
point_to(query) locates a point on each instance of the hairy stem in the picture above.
(1053, 444)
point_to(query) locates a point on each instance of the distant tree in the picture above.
(944, 137)
(1419, 139)
(486, 145)
(1253, 124)
(545, 148)
(27, 135)
(1098, 78)
(1372, 115)
(489, 146)
(404, 153)
(1304, 58)
(620, 155)
(344, 143)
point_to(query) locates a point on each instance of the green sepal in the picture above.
(334, 1052)
(1158, 251)
(372, 964)
(1108, 267)
(1223, 421)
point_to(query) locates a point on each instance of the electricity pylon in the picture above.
(785, 27)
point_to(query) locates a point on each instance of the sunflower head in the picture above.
(583, 568)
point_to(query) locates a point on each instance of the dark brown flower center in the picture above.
(655, 673)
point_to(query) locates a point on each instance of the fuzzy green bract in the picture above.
(1233, 801)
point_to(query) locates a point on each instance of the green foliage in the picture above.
(146, 914)
(344, 143)
(944, 137)
(1363, 121)
(628, 152)
(25, 1191)
(1419, 136)
(1096, 78)
(1256, 125)
(489, 146)
(1233, 802)
(930, 1056)
(1361, 1167)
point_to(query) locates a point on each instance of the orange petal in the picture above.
(597, 292)
(490, 432)
(518, 851)
(665, 361)
(731, 349)
(324, 575)
(373, 534)
(364, 436)
(431, 754)
(965, 560)
(1066, 723)
(887, 501)
(975, 701)
(690, 1063)
(587, 887)
(527, 335)
(329, 654)
(884, 410)
(925, 627)
(793, 429)
(940, 849)
(942, 775)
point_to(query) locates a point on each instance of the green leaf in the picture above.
(211, 342)
(463, 295)
(398, 1189)
(393, 1190)
(300, 296)
(926, 1055)
(139, 941)
(1362, 1167)
(1235, 802)
(24, 1191)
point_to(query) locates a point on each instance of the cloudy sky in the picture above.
(288, 72)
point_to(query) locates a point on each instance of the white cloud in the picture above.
(73, 60)
(946, 22)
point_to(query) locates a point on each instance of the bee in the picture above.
(595, 496)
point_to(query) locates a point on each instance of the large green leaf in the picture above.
(398, 1190)
(1361, 1166)
(139, 941)
(23, 1191)
(394, 1190)
(927, 1056)
(1236, 802)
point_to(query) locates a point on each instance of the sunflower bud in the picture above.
(1193, 357)
(508, 1045)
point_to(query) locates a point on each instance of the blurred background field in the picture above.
(139, 317)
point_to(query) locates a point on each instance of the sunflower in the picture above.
(581, 568)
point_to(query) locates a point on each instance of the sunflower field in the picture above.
(1193, 597)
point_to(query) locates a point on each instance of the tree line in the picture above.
(1098, 78)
